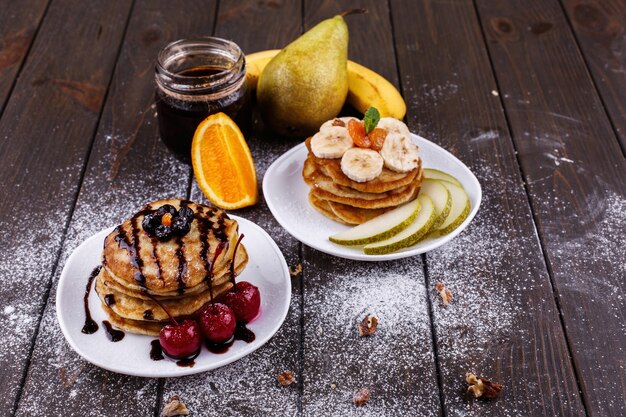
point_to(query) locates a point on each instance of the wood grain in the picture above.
(18, 26)
(47, 129)
(128, 167)
(599, 27)
(249, 386)
(575, 173)
(396, 363)
(503, 322)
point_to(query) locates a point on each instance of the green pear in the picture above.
(379, 228)
(306, 83)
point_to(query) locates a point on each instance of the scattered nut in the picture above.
(339, 122)
(444, 293)
(286, 378)
(333, 386)
(295, 270)
(361, 397)
(482, 387)
(175, 407)
(368, 325)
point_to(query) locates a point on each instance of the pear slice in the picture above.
(460, 209)
(379, 228)
(435, 174)
(441, 198)
(409, 236)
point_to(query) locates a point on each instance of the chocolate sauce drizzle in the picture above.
(232, 263)
(155, 256)
(131, 247)
(148, 315)
(90, 325)
(112, 334)
(156, 352)
(241, 333)
(182, 262)
(109, 299)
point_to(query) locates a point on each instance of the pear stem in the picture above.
(352, 11)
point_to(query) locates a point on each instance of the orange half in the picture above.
(222, 163)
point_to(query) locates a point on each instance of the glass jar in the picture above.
(196, 78)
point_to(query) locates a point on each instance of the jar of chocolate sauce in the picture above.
(196, 78)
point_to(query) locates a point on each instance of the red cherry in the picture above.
(180, 340)
(244, 300)
(217, 322)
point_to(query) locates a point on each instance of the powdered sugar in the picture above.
(395, 363)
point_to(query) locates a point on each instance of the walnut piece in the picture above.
(286, 378)
(361, 397)
(368, 325)
(175, 407)
(444, 293)
(295, 270)
(339, 122)
(482, 387)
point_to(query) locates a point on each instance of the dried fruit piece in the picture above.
(361, 397)
(356, 130)
(286, 378)
(377, 138)
(368, 325)
(482, 387)
(295, 270)
(444, 292)
(175, 407)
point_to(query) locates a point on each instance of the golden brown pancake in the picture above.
(219, 278)
(355, 215)
(323, 207)
(134, 308)
(317, 180)
(133, 326)
(387, 181)
(141, 262)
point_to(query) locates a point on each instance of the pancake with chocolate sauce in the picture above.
(172, 253)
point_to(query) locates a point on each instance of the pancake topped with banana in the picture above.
(359, 169)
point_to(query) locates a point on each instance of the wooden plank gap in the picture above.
(68, 220)
(24, 58)
(581, 51)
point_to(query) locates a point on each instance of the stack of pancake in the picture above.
(138, 268)
(338, 197)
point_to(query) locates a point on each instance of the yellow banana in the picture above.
(366, 88)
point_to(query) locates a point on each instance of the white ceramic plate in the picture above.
(287, 197)
(266, 269)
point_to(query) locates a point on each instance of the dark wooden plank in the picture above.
(575, 173)
(128, 167)
(397, 363)
(18, 24)
(47, 128)
(599, 27)
(249, 386)
(503, 322)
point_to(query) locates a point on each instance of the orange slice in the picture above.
(222, 163)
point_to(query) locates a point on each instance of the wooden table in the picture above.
(530, 94)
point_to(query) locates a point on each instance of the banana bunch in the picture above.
(366, 87)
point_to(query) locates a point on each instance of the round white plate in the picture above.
(286, 194)
(266, 269)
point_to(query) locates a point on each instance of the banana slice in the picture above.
(361, 165)
(399, 153)
(393, 126)
(331, 123)
(333, 142)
